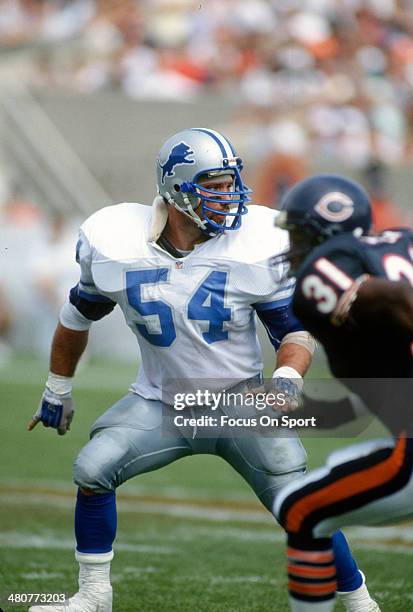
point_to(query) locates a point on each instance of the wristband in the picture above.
(61, 385)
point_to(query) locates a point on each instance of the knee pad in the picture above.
(88, 474)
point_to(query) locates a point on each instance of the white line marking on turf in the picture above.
(183, 510)
(190, 532)
(139, 570)
(243, 580)
(133, 572)
(18, 539)
(391, 533)
(277, 535)
(42, 575)
(131, 488)
(371, 538)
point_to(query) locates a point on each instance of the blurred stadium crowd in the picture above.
(331, 79)
(342, 70)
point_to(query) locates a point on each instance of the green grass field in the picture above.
(191, 536)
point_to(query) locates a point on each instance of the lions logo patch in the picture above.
(335, 207)
(177, 157)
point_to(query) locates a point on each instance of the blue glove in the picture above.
(287, 381)
(55, 410)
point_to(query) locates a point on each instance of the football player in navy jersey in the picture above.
(354, 294)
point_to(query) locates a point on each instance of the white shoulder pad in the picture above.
(258, 239)
(116, 230)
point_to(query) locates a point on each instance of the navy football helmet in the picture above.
(318, 208)
(186, 160)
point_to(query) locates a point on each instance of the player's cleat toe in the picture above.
(358, 600)
(81, 602)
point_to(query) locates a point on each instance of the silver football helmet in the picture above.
(194, 155)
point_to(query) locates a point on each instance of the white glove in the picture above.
(56, 406)
(289, 382)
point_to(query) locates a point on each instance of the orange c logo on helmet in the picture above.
(335, 207)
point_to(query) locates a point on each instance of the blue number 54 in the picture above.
(207, 304)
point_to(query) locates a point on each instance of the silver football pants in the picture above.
(128, 440)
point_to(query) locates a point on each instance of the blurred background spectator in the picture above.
(52, 269)
(6, 322)
(385, 212)
(298, 85)
(343, 68)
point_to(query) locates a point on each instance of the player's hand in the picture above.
(55, 410)
(288, 383)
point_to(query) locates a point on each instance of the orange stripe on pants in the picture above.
(347, 486)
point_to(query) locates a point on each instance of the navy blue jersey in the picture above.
(375, 361)
(322, 282)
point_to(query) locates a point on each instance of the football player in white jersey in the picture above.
(190, 274)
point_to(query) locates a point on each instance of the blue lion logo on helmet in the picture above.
(177, 156)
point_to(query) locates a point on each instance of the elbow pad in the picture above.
(92, 306)
(71, 318)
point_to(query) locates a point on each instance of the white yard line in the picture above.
(175, 492)
(51, 541)
(369, 538)
(180, 510)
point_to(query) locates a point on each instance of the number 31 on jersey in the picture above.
(396, 267)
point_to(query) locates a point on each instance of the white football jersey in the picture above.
(194, 317)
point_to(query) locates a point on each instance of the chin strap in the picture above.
(191, 214)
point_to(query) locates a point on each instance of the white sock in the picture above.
(94, 571)
(296, 605)
(356, 601)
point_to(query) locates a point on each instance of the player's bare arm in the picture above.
(293, 360)
(292, 363)
(56, 406)
(294, 356)
(67, 348)
(379, 299)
